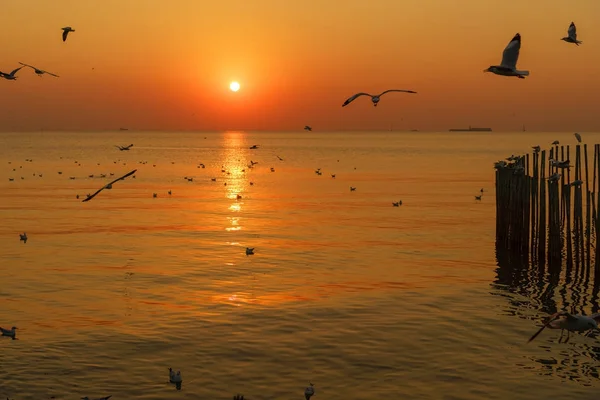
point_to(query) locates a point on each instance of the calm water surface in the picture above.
(363, 299)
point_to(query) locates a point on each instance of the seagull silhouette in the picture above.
(89, 197)
(374, 98)
(66, 31)
(38, 71)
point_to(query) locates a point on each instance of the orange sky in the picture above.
(167, 64)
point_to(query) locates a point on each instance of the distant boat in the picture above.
(470, 129)
(123, 129)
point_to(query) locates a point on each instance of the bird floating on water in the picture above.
(571, 323)
(352, 188)
(572, 35)
(38, 71)
(66, 31)
(577, 136)
(510, 55)
(100, 398)
(375, 98)
(9, 332)
(11, 76)
(23, 237)
(253, 147)
(89, 197)
(174, 377)
(309, 391)
(249, 251)
(478, 197)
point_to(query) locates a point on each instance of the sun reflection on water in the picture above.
(234, 165)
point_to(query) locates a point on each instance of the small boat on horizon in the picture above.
(470, 129)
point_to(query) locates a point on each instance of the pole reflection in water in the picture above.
(530, 287)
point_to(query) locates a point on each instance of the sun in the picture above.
(234, 86)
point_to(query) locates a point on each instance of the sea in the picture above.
(362, 299)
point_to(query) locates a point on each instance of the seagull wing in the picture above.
(572, 31)
(510, 55)
(108, 184)
(553, 318)
(26, 65)
(49, 73)
(64, 35)
(13, 72)
(351, 99)
(397, 90)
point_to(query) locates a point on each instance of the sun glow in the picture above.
(234, 86)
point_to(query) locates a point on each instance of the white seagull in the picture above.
(510, 55)
(309, 391)
(572, 323)
(577, 136)
(375, 98)
(38, 71)
(66, 31)
(23, 237)
(9, 332)
(572, 35)
(109, 186)
(11, 76)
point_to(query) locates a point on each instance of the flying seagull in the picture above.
(66, 31)
(572, 323)
(374, 98)
(510, 55)
(122, 148)
(89, 197)
(11, 76)
(307, 128)
(572, 35)
(39, 72)
(577, 136)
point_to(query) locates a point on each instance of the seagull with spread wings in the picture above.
(11, 76)
(38, 71)
(572, 35)
(375, 98)
(510, 55)
(108, 186)
(66, 31)
(569, 322)
(124, 148)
